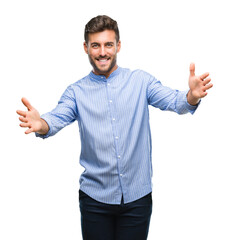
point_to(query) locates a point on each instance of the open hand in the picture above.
(30, 119)
(198, 85)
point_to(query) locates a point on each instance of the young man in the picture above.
(111, 107)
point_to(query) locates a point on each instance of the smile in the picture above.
(103, 60)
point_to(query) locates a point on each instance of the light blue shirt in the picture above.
(113, 119)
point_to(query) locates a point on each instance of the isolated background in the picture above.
(41, 53)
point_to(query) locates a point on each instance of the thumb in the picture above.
(27, 103)
(192, 69)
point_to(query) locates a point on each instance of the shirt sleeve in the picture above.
(168, 99)
(65, 113)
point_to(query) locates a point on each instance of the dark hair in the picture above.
(99, 24)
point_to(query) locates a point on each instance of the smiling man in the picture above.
(102, 48)
(111, 107)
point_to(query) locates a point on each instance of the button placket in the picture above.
(114, 121)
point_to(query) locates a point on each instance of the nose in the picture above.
(102, 51)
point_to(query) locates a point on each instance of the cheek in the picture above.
(112, 52)
(93, 53)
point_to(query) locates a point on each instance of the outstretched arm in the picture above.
(31, 119)
(198, 86)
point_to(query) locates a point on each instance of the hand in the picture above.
(30, 118)
(198, 86)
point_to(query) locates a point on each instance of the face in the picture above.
(102, 50)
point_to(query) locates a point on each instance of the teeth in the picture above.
(103, 60)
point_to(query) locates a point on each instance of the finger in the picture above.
(208, 87)
(203, 76)
(30, 130)
(206, 81)
(22, 113)
(205, 94)
(22, 119)
(25, 125)
(192, 69)
(27, 103)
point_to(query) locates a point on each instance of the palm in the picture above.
(198, 84)
(30, 118)
(33, 118)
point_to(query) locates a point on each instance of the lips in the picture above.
(103, 60)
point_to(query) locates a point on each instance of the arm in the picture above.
(31, 119)
(198, 86)
(168, 99)
(52, 122)
(180, 102)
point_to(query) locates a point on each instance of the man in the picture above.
(111, 107)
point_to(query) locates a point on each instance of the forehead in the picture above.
(101, 37)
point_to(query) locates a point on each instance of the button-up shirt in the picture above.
(113, 119)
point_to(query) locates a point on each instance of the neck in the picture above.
(106, 74)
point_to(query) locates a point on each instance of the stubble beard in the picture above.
(99, 70)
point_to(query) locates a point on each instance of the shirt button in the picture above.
(113, 119)
(108, 84)
(120, 175)
(110, 101)
(116, 137)
(119, 156)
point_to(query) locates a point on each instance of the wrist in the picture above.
(44, 127)
(192, 100)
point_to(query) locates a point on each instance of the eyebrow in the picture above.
(99, 43)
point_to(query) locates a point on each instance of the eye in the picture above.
(95, 45)
(110, 44)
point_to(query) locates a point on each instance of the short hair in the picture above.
(99, 24)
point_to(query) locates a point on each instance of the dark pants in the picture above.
(100, 221)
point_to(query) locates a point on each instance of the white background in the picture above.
(41, 53)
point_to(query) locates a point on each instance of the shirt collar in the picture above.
(102, 77)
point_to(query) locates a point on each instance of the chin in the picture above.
(105, 69)
(102, 70)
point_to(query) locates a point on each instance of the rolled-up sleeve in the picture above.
(167, 99)
(64, 114)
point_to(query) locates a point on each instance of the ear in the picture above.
(118, 46)
(85, 47)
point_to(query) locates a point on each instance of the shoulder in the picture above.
(73, 88)
(138, 74)
(80, 82)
